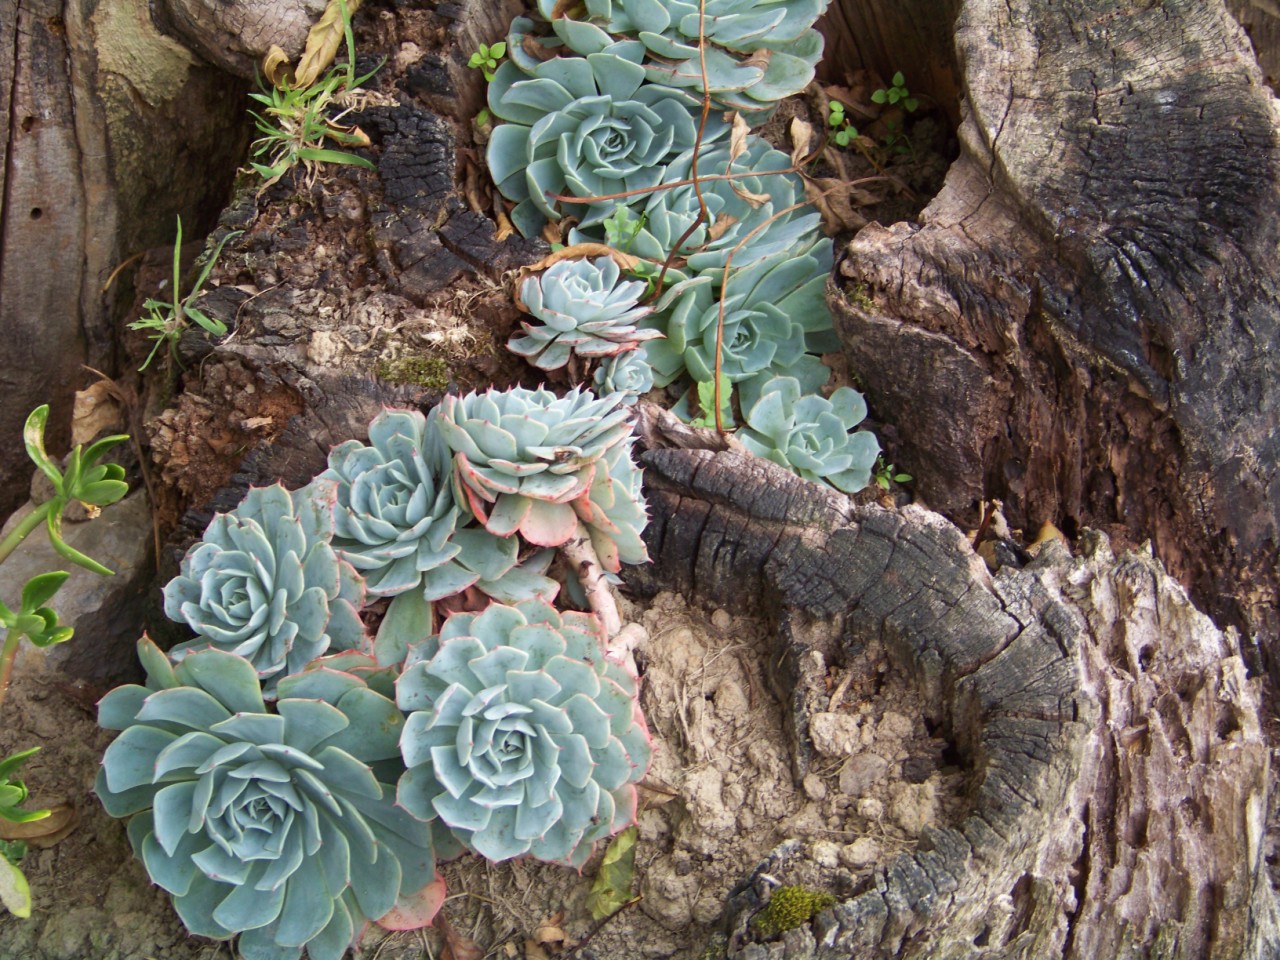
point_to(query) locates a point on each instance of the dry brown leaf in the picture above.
(42, 833)
(323, 41)
(549, 930)
(738, 138)
(505, 227)
(759, 59)
(755, 199)
(722, 224)
(562, 8)
(801, 140)
(835, 200)
(533, 951)
(275, 67)
(94, 411)
(456, 946)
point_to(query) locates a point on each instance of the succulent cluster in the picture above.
(259, 766)
(521, 737)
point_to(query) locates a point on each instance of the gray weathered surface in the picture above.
(1096, 280)
(1102, 718)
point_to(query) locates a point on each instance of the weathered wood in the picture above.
(1261, 21)
(100, 151)
(1096, 282)
(1101, 716)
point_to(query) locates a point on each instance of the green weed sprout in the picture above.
(297, 121)
(165, 322)
(843, 132)
(97, 485)
(886, 473)
(897, 93)
(622, 227)
(486, 58)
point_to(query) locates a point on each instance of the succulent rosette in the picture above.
(811, 435)
(281, 826)
(775, 317)
(583, 309)
(750, 216)
(584, 127)
(626, 373)
(521, 457)
(757, 52)
(614, 513)
(522, 737)
(264, 583)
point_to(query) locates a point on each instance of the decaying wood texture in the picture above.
(1083, 322)
(1118, 773)
(1261, 21)
(108, 129)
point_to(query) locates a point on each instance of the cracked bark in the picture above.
(1107, 725)
(1095, 288)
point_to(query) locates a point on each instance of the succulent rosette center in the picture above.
(522, 737)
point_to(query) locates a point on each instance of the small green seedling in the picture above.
(896, 94)
(15, 894)
(886, 473)
(707, 403)
(843, 132)
(622, 227)
(487, 58)
(298, 120)
(165, 321)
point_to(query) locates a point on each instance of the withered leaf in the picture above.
(323, 41)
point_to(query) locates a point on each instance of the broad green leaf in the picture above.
(612, 888)
(39, 590)
(33, 439)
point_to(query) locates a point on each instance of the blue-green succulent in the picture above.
(265, 583)
(522, 737)
(775, 319)
(584, 310)
(750, 215)
(521, 457)
(584, 127)
(627, 373)
(614, 513)
(811, 435)
(397, 522)
(280, 826)
(756, 51)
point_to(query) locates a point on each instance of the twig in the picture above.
(600, 926)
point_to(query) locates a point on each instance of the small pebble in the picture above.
(813, 787)
(721, 620)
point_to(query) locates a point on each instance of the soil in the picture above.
(719, 797)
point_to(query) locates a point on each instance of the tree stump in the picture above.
(1082, 323)
(1103, 723)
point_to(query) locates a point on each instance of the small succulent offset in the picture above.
(522, 457)
(584, 310)
(810, 434)
(584, 127)
(265, 583)
(627, 373)
(522, 737)
(276, 826)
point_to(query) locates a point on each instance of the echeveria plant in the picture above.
(584, 127)
(272, 825)
(522, 736)
(264, 583)
(774, 313)
(395, 515)
(521, 457)
(583, 309)
(614, 512)
(756, 53)
(810, 434)
(626, 373)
